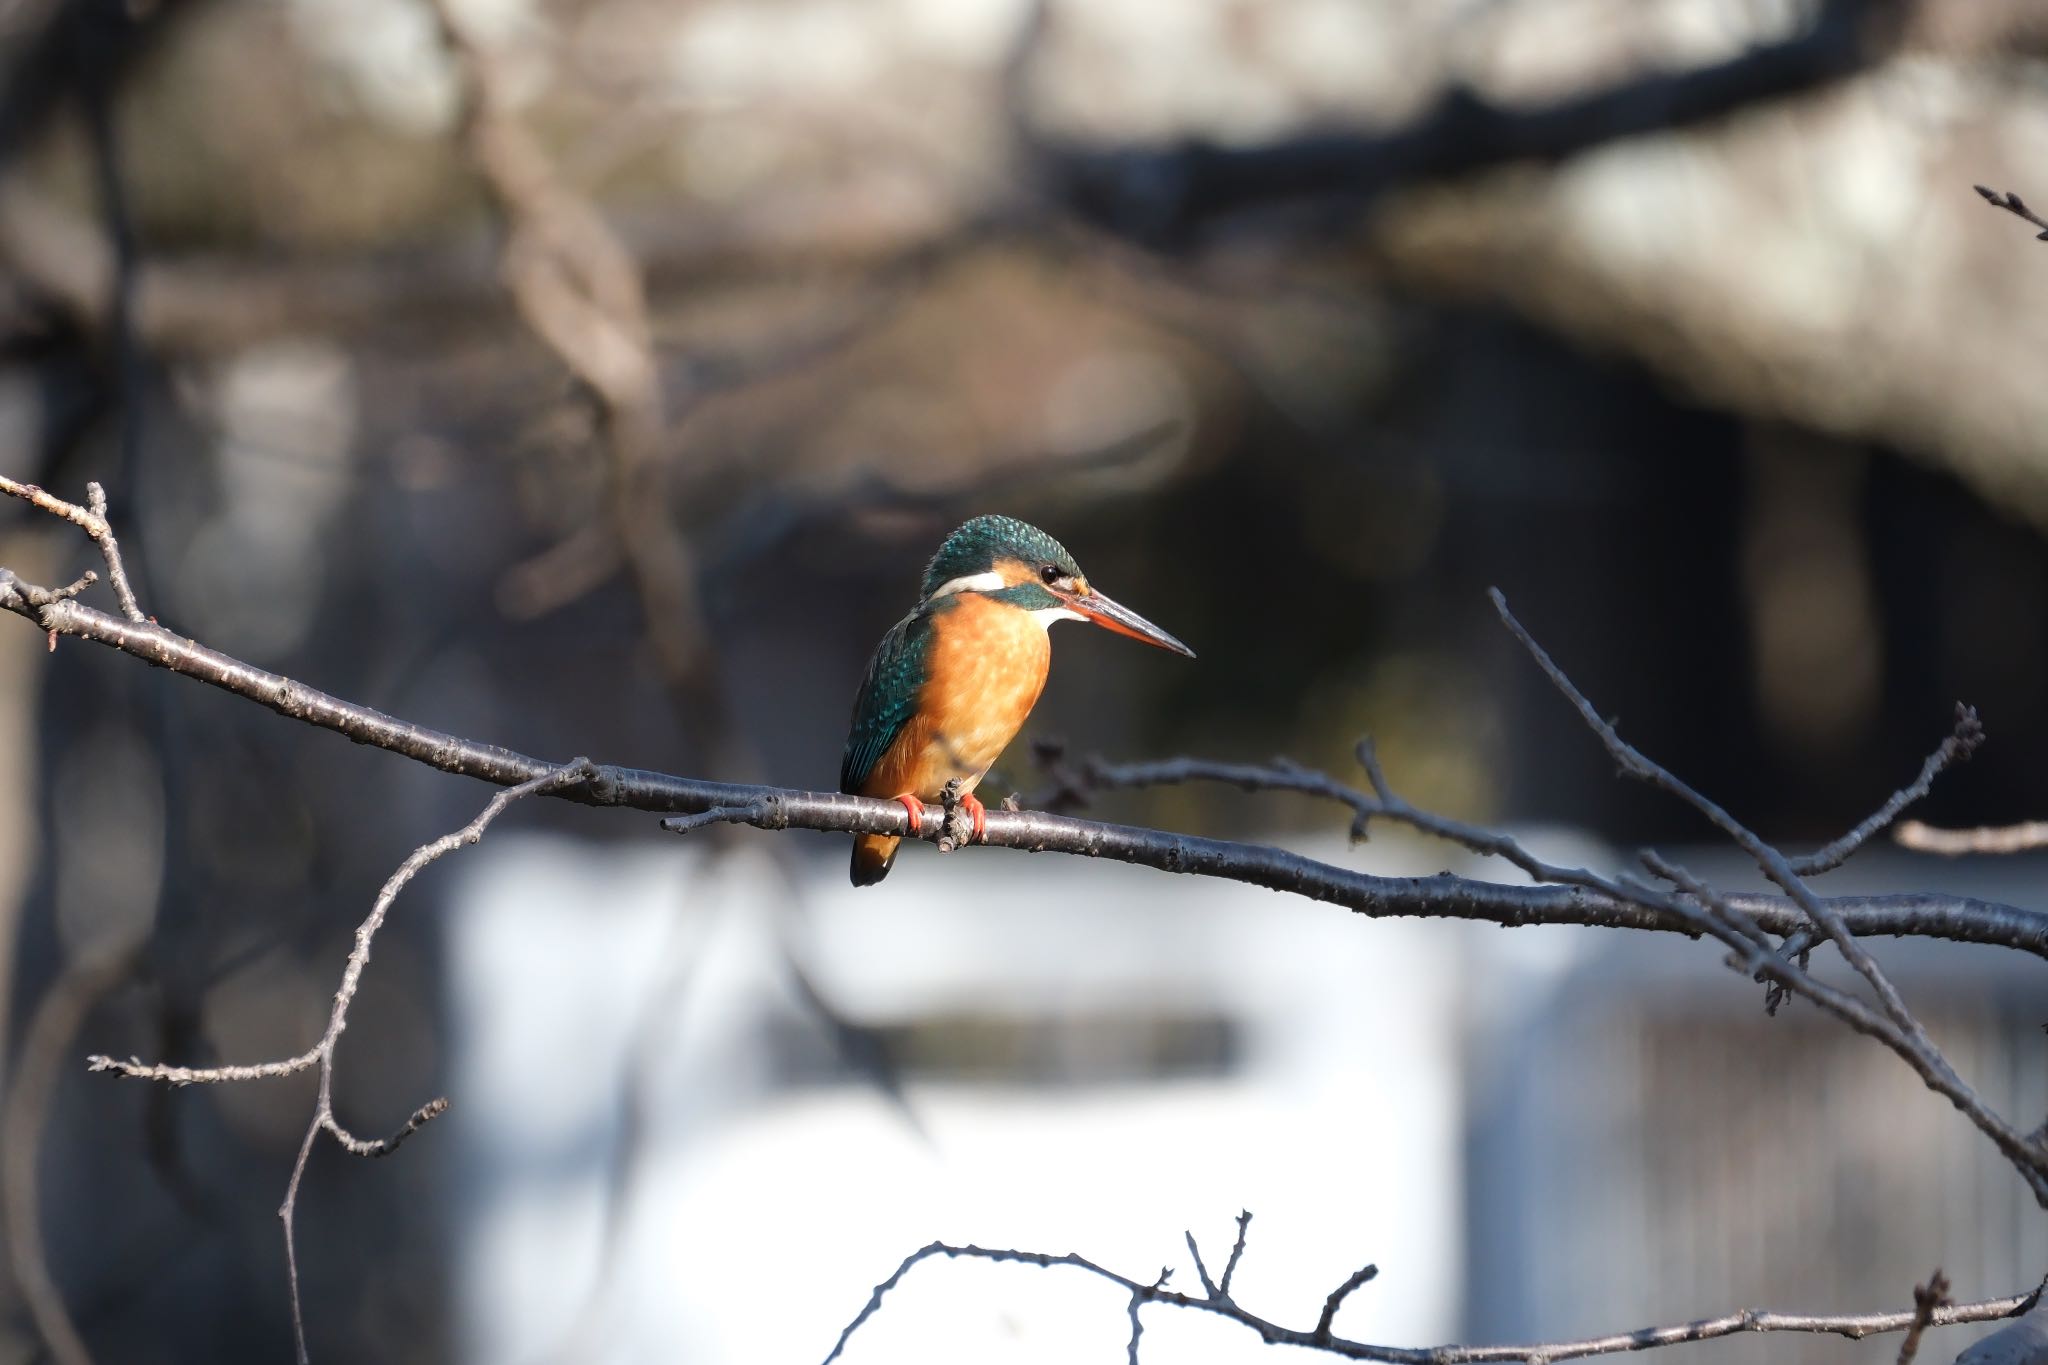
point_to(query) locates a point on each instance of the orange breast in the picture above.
(987, 666)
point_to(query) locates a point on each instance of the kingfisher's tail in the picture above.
(873, 855)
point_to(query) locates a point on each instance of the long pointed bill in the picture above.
(1113, 615)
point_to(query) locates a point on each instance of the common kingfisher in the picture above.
(951, 683)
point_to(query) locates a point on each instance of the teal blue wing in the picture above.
(888, 698)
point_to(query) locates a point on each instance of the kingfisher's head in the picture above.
(1021, 566)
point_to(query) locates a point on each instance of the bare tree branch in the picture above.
(92, 519)
(1961, 743)
(376, 1147)
(1709, 912)
(1904, 1033)
(1855, 1327)
(1577, 895)
(322, 1052)
(1957, 918)
(1071, 787)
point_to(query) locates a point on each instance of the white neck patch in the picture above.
(974, 582)
(994, 582)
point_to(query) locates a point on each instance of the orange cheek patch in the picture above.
(1015, 571)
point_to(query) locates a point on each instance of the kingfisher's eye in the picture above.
(1049, 574)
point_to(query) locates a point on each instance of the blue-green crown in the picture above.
(976, 547)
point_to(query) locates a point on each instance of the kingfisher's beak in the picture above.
(1113, 615)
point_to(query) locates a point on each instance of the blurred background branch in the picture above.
(1167, 195)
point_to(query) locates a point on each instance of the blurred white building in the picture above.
(1532, 1134)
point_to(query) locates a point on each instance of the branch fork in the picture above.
(321, 1054)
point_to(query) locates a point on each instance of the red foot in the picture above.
(916, 809)
(980, 814)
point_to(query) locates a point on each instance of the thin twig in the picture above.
(376, 1147)
(1904, 1033)
(1962, 741)
(92, 519)
(1363, 1275)
(1072, 786)
(137, 1069)
(1634, 763)
(1854, 1327)
(2012, 204)
(1283, 775)
(322, 1053)
(1926, 1299)
(1960, 744)
(1244, 1223)
(1201, 1271)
